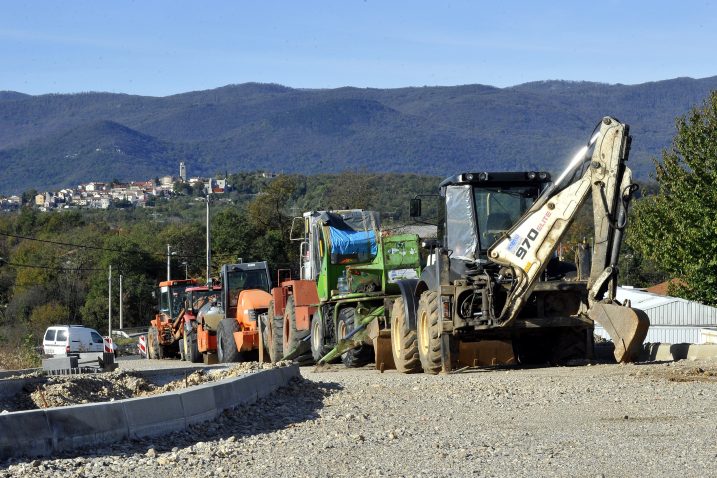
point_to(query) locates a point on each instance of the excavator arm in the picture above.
(527, 247)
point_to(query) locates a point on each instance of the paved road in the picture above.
(604, 420)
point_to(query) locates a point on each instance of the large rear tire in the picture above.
(357, 356)
(404, 343)
(226, 345)
(193, 354)
(275, 335)
(182, 349)
(152, 343)
(292, 336)
(429, 332)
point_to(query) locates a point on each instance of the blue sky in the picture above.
(165, 47)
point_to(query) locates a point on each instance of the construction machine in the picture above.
(226, 326)
(495, 291)
(166, 330)
(195, 299)
(348, 274)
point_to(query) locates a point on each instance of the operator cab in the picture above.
(481, 207)
(172, 295)
(244, 276)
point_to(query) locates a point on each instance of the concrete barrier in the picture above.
(670, 352)
(47, 431)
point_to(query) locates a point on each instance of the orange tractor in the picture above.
(166, 330)
(226, 326)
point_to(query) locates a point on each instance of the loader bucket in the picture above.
(626, 326)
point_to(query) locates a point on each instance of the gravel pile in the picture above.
(58, 391)
(601, 420)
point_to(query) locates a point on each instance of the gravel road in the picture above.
(601, 420)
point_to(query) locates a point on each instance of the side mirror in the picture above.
(415, 207)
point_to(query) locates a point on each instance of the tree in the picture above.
(677, 227)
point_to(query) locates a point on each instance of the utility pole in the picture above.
(109, 307)
(209, 250)
(169, 273)
(121, 302)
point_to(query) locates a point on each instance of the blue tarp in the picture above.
(346, 243)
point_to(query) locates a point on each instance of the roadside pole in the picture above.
(109, 306)
(120, 302)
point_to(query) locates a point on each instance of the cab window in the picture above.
(97, 338)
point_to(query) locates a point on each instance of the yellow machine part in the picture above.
(626, 326)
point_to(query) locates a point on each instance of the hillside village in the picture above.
(103, 195)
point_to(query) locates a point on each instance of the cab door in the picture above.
(97, 342)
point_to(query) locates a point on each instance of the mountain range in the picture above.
(58, 140)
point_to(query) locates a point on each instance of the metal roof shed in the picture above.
(672, 319)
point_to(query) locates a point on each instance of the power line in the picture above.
(35, 266)
(97, 248)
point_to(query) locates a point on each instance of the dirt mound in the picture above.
(58, 391)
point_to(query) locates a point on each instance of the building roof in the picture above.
(667, 310)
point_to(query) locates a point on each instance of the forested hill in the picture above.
(50, 141)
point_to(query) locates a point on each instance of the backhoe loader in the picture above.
(495, 291)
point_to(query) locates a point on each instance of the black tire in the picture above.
(357, 356)
(182, 354)
(429, 332)
(318, 338)
(152, 343)
(275, 335)
(193, 354)
(291, 335)
(226, 345)
(404, 343)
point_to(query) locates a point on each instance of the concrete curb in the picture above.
(670, 352)
(47, 431)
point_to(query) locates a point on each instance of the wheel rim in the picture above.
(423, 333)
(396, 338)
(315, 339)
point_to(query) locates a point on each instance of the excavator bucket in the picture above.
(626, 326)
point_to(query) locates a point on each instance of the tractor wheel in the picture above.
(404, 344)
(151, 343)
(292, 336)
(226, 346)
(192, 352)
(429, 332)
(274, 335)
(182, 349)
(318, 348)
(358, 356)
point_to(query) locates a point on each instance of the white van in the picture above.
(71, 339)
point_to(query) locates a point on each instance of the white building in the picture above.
(672, 320)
